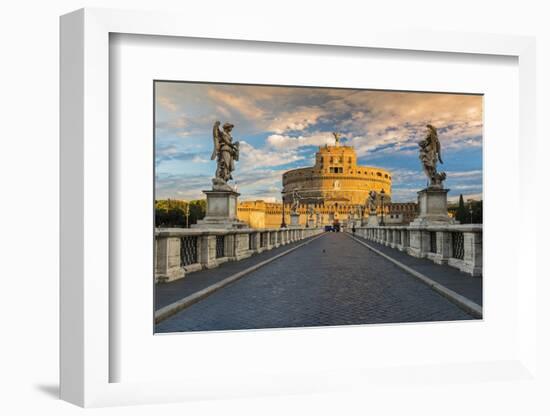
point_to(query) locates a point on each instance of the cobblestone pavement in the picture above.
(166, 293)
(332, 281)
(451, 278)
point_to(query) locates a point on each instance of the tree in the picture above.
(197, 210)
(462, 214)
(173, 212)
(477, 212)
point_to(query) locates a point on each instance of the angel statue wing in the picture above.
(438, 149)
(216, 136)
(434, 138)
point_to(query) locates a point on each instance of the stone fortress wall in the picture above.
(261, 214)
(334, 188)
(336, 178)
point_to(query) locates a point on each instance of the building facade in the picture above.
(400, 213)
(261, 214)
(334, 190)
(335, 179)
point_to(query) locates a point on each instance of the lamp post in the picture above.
(471, 213)
(187, 215)
(382, 195)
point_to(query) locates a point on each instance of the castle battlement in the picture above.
(336, 178)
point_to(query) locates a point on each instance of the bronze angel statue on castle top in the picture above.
(430, 154)
(226, 154)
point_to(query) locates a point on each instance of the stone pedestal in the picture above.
(294, 220)
(221, 211)
(432, 206)
(373, 220)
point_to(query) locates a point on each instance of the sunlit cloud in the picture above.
(280, 127)
(278, 141)
(240, 103)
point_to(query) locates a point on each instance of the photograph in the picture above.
(292, 206)
(275, 209)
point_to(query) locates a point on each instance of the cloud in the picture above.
(278, 126)
(252, 158)
(378, 118)
(278, 141)
(465, 174)
(465, 187)
(297, 120)
(406, 176)
(166, 152)
(181, 186)
(200, 159)
(404, 195)
(407, 182)
(240, 103)
(166, 102)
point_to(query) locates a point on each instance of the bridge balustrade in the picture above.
(458, 245)
(179, 251)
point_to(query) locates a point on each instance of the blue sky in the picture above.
(280, 128)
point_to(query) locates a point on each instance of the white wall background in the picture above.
(29, 209)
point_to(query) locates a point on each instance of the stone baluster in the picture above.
(404, 244)
(256, 243)
(444, 247)
(207, 253)
(473, 257)
(168, 260)
(241, 250)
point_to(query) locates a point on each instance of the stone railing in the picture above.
(457, 245)
(179, 251)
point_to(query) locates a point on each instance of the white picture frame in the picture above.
(86, 356)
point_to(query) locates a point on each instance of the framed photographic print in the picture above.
(237, 205)
(283, 213)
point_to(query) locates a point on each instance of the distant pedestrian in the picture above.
(353, 229)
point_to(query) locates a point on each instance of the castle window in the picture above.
(378, 173)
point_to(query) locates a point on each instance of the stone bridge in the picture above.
(302, 277)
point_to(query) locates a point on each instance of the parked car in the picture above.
(328, 227)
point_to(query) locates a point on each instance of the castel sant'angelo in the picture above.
(332, 190)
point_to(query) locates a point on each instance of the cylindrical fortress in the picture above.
(336, 179)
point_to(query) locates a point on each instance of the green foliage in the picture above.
(461, 212)
(174, 213)
(470, 212)
(477, 212)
